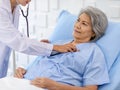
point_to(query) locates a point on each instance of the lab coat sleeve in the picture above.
(12, 38)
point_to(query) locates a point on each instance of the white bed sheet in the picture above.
(11, 83)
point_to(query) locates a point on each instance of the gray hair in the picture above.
(98, 19)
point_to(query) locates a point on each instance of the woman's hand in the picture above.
(65, 48)
(44, 83)
(53, 85)
(19, 72)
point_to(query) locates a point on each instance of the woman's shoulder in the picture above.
(89, 47)
(95, 47)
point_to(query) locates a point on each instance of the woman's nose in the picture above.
(78, 25)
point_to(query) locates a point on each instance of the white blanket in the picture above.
(11, 83)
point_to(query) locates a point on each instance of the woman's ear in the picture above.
(93, 35)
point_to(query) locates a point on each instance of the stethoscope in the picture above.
(26, 18)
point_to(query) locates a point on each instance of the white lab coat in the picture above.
(11, 38)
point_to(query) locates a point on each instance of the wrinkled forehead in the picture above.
(85, 18)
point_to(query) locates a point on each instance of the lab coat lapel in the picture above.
(5, 4)
(16, 15)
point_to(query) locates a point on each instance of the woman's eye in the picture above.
(84, 24)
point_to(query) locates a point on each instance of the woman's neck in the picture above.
(75, 41)
(13, 4)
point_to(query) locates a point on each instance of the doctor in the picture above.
(11, 38)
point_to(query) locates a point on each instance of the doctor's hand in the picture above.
(45, 40)
(65, 48)
(44, 83)
(19, 72)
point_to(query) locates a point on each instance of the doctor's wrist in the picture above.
(55, 47)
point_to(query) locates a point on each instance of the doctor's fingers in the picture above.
(45, 41)
(70, 48)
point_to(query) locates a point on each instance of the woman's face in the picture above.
(23, 2)
(83, 28)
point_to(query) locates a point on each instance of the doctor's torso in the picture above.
(6, 18)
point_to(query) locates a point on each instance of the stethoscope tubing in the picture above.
(26, 18)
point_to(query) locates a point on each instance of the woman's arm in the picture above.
(53, 85)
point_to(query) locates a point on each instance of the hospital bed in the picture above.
(109, 44)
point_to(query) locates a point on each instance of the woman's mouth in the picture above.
(76, 31)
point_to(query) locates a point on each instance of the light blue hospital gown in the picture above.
(85, 67)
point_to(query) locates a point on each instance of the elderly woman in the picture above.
(81, 70)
